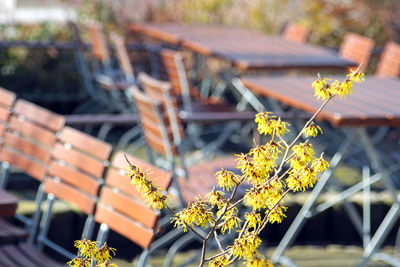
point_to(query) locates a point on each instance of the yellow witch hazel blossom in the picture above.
(258, 261)
(89, 254)
(312, 130)
(269, 171)
(197, 213)
(227, 179)
(245, 247)
(153, 196)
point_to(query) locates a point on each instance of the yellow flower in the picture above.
(216, 198)
(322, 88)
(227, 179)
(221, 261)
(356, 76)
(294, 181)
(246, 246)
(269, 125)
(103, 254)
(304, 152)
(152, 196)
(258, 261)
(87, 248)
(320, 164)
(312, 130)
(230, 222)
(342, 89)
(253, 218)
(77, 262)
(277, 214)
(196, 213)
(262, 196)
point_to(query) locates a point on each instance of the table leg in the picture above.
(305, 211)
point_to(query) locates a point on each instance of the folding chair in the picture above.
(162, 91)
(74, 176)
(27, 144)
(389, 62)
(8, 232)
(357, 48)
(122, 209)
(295, 32)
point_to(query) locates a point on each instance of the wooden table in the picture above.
(375, 102)
(8, 204)
(245, 49)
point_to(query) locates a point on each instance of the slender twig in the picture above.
(218, 242)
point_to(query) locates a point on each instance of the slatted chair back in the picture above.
(99, 44)
(7, 99)
(123, 57)
(74, 176)
(30, 136)
(162, 92)
(295, 32)
(389, 62)
(121, 207)
(357, 48)
(155, 124)
(174, 65)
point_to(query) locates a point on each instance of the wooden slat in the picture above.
(10, 233)
(35, 254)
(74, 178)
(30, 167)
(4, 114)
(44, 136)
(79, 160)
(389, 62)
(357, 48)
(122, 54)
(16, 256)
(124, 226)
(2, 130)
(27, 147)
(295, 32)
(132, 208)
(7, 98)
(39, 115)
(98, 42)
(70, 194)
(86, 143)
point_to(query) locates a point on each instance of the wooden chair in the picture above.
(123, 58)
(295, 32)
(357, 48)
(198, 179)
(220, 130)
(389, 62)
(8, 232)
(27, 143)
(188, 95)
(75, 174)
(122, 209)
(99, 46)
(194, 180)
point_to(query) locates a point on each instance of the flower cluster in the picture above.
(152, 195)
(268, 172)
(197, 213)
(89, 254)
(325, 90)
